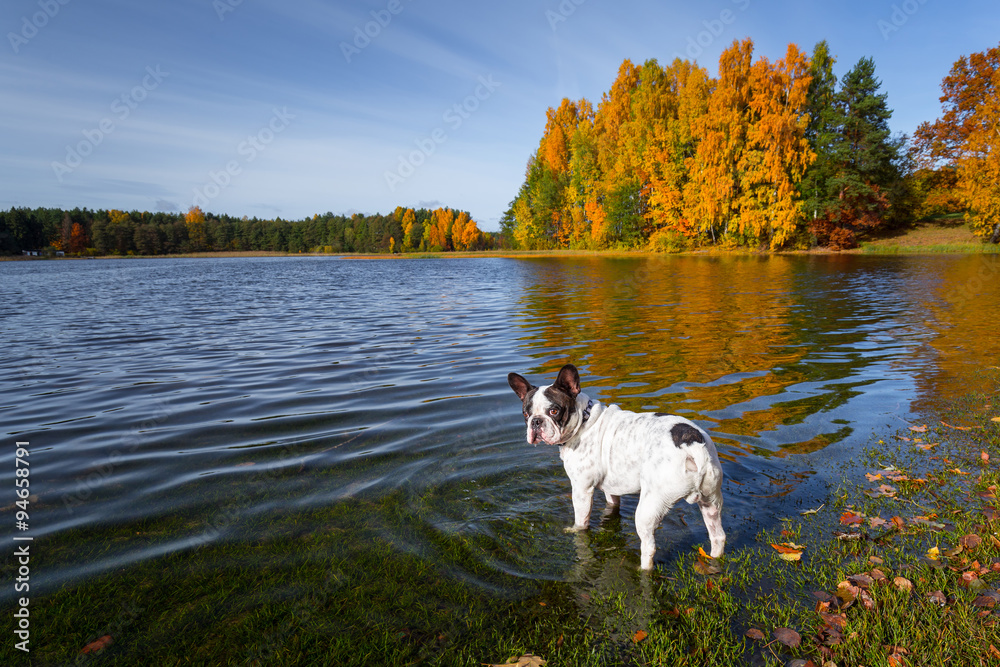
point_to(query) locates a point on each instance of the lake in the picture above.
(217, 416)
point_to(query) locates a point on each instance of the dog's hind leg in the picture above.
(648, 515)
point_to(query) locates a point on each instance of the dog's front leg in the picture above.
(583, 496)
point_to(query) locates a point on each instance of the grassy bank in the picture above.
(900, 566)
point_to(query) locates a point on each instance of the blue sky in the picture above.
(268, 108)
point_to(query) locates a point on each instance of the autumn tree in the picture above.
(195, 222)
(752, 151)
(966, 138)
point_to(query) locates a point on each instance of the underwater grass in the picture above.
(380, 583)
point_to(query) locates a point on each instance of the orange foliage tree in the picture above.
(967, 138)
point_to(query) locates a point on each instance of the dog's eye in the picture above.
(554, 412)
(525, 413)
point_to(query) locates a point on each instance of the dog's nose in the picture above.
(536, 423)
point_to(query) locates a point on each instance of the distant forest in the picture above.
(85, 232)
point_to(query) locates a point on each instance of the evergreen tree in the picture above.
(824, 122)
(864, 161)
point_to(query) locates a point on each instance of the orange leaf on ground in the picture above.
(849, 518)
(98, 644)
(754, 633)
(639, 636)
(789, 550)
(957, 428)
(903, 584)
(919, 429)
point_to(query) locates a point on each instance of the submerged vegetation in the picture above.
(900, 566)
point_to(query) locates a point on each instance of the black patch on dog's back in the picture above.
(685, 434)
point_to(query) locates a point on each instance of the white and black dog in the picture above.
(664, 458)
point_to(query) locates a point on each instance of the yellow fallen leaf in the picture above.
(933, 553)
(789, 551)
(995, 419)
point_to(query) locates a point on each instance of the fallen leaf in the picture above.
(995, 419)
(808, 512)
(928, 446)
(898, 522)
(789, 551)
(873, 477)
(788, 637)
(849, 518)
(847, 593)
(957, 428)
(639, 636)
(954, 551)
(754, 633)
(984, 456)
(918, 429)
(933, 553)
(98, 644)
(938, 598)
(995, 651)
(970, 541)
(957, 471)
(883, 490)
(903, 584)
(862, 580)
(877, 522)
(984, 601)
(896, 660)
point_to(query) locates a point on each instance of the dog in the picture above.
(663, 458)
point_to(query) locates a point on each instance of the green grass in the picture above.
(938, 248)
(399, 579)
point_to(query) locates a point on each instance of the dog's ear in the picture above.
(520, 386)
(568, 380)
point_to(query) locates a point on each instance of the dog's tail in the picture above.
(703, 464)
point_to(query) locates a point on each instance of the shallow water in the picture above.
(216, 398)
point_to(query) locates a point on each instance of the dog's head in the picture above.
(551, 413)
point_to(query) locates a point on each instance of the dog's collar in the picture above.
(586, 410)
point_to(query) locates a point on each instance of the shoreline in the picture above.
(864, 249)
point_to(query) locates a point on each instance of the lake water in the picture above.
(174, 404)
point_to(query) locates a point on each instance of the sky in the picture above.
(290, 109)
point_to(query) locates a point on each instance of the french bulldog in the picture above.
(663, 458)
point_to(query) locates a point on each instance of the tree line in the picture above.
(768, 154)
(114, 232)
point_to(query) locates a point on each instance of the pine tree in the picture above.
(864, 161)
